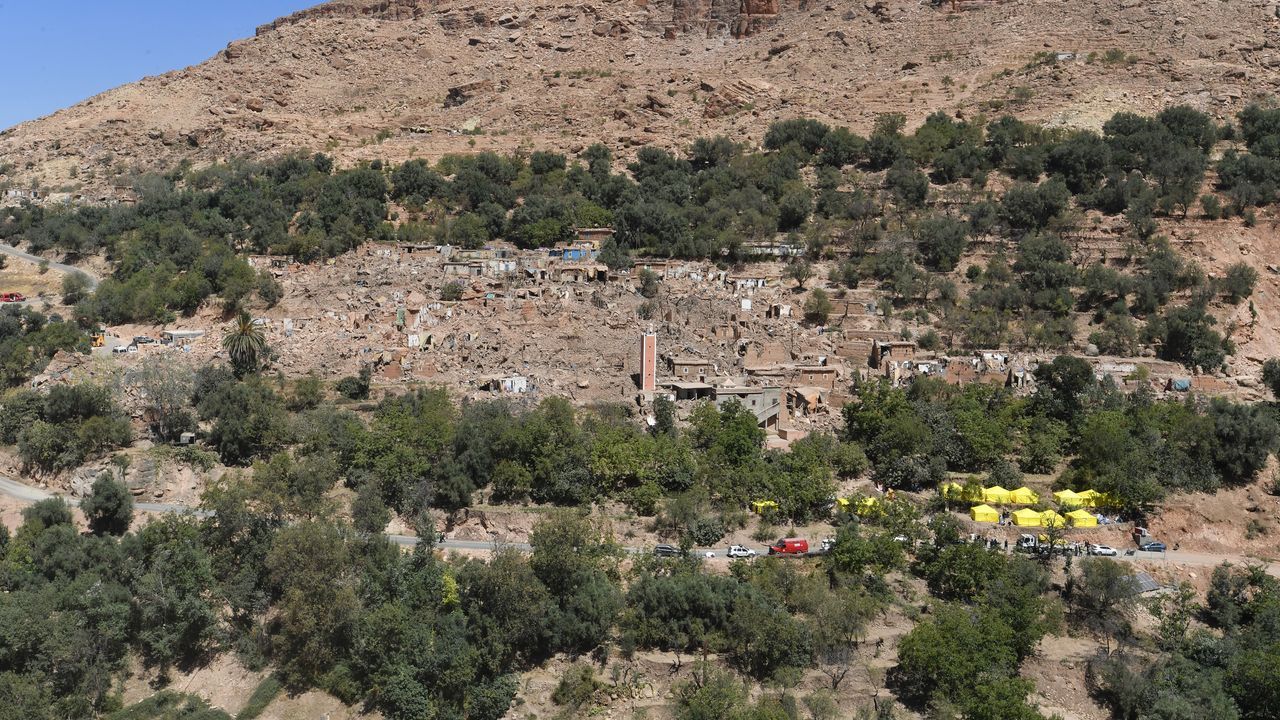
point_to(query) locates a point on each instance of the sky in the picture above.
(55, 53)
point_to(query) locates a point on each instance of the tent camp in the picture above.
(984, 513)
(1090, 498)
(952, 490)
(1067, 498)
(1026, 517)
(1024, 496)
(1049, 518)
(995, 495)
(1082, 518)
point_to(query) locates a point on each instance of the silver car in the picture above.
(740, 551)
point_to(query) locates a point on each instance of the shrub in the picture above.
(577, 686)
(1237, 284)
(355, 387)
(452, 291)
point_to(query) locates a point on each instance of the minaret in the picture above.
(649, 361)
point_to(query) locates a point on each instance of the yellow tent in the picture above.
(984, 513)
(1067, 498)
(952, 490)
(995, 495)
(1089, 498)
(842, 504)
(759, 507)
(868, 505)
(1082, 518)
(1024, 496)
(1049, 518)
(1026, 517)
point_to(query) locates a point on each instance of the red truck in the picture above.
(12, 297)
(790, 546)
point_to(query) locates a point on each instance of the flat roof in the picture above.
(689, 386)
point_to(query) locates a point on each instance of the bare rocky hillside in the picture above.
(393, 79)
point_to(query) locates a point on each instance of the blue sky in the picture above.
(55, 53)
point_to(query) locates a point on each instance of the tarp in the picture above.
(984, 513)
(760, 506)
(1049, 518)
(1089, 498)
(1026, 517)
(1068, 498)
(995, 495)
(842, 504)
(1023, 496)
(868, 505)
(1082, 518)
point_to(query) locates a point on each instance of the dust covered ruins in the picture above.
(530, 324)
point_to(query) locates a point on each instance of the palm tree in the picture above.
(244, 344)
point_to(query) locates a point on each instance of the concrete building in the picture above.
(764, 402)
(690, 368)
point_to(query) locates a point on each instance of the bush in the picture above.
(267, 691)
(706, 531)
(452, 291)
(908, 185)
(308, 392)
(355, 387)
(1211, 206)
(942, 241)
(1237, 284)
(75, 287)
(109, 506)
(577, 686)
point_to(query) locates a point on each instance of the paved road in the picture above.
(60, 267)
(27, 494)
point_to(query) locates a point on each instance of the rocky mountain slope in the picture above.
(394, 79)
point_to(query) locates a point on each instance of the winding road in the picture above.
(12, 251)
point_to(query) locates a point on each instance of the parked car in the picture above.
(121, 349)
(790, 546)
(1153, 546)
(666, 551)
(12, 297)
(144, 340)
(1104, 550)
(740, 551)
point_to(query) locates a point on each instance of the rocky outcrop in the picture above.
(715, 18)
(720, 18)
(393, 10)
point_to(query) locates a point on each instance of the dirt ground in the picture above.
(25, 277)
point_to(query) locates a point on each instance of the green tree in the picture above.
(801, 271)
(1238, 282)
(244, 344)
(817, 308)
(1105, 597)
(108, 506)
(942, 241)
(310, 569)
(1271, 376)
